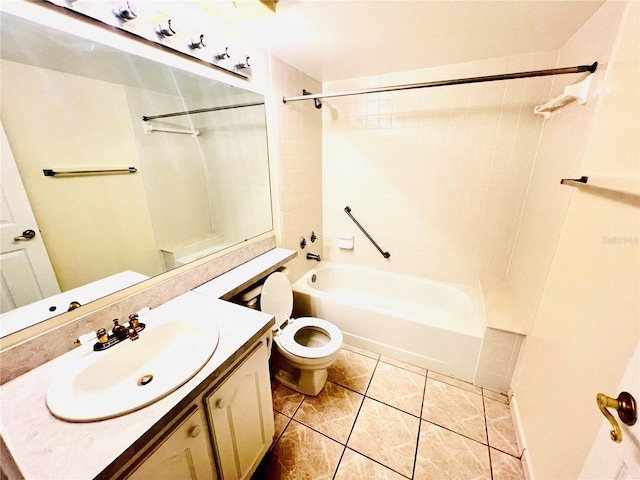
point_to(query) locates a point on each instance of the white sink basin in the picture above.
(132, 374)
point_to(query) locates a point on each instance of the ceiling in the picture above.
(333, 40)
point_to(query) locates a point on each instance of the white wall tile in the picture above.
(560, 153)
(437, 175)
(299, 171)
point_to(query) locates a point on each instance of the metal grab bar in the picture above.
(347, 209)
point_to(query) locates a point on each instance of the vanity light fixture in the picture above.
(165, 29)
(242, 66)
(126, 12)
(197, 43)
(157, 27)
(223, 55)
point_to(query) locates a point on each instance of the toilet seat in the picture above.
(286, 338)
(277, 299)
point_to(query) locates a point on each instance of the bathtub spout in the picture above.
(313, 256)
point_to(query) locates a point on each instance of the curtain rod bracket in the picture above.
(316, 101)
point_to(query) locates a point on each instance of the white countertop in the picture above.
(45, 447)
(241, 277)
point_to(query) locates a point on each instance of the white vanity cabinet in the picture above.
(229, 426)
(183, 451)
(241, 416)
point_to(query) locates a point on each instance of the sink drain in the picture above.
(145, 379)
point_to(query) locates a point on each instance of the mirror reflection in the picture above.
(192, 183)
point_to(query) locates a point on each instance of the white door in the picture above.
(618, 461)
(27, 274)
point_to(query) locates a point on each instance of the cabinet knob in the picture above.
(194, 431)
(220, 403)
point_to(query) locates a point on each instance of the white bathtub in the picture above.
(431, 324)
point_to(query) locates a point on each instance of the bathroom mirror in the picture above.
(191, 184)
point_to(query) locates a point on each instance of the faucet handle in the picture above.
(102, 335)
(133, 320)
(135, 323)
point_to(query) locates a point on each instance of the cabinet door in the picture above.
(241, 416)
(183, 453)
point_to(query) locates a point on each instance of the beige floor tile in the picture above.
(455, 409)
(301, 453)
(386, 435)
(397, 387)
(454, 381)
(352, 370)
(498, 397)
(406, 366)
(446, 455)
(361, 351)
(505, 467)
(285, 400)
(332, 412)
(500, 429)
(356, 466)
(280, 422)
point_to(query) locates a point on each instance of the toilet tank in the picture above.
(250, 296)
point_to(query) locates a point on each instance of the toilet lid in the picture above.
(277, 297)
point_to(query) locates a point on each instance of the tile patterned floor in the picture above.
(378, 418)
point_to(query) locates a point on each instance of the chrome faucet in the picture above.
(313, 256)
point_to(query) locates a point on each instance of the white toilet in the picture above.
(305, 347)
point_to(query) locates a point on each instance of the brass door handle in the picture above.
(26, 235)
(625, 405)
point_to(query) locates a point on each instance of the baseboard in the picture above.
(520, 438)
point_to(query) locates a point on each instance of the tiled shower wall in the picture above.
(563, 143)
(438, 175)
(300, 168)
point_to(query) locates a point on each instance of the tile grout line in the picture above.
(458, 433)
(487, 427)
(424, 393)
(486, 430)
(364, 396)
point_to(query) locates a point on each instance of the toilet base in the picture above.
(309, 382)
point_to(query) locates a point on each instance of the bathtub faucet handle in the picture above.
(313, 256)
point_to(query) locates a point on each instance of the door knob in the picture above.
(26, 235)
(626, 407)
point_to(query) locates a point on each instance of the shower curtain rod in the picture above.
(442, 83)
(201, 110)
